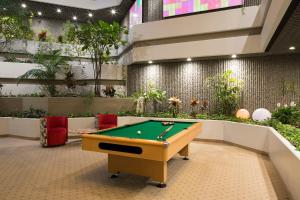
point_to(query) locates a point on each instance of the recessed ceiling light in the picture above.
(58, 10)
(23, 5)
(189, 59)
(292, 48)
(234, 56)
(90, 14)
(150, 61)
(39, 13)
(113, 11)
(74, 18)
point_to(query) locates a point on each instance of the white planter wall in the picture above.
(251, 136)
(4, 125)
(286, 160)
(81, 123)
(24, 127)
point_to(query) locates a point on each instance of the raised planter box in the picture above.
(22, 127)
(30, 128)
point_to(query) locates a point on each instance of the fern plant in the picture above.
(49, 65)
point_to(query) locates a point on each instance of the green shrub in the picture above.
(287, 115)
(227, 91)
(31, 113)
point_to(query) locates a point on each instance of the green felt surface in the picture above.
(149, 130)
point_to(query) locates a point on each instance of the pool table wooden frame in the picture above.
(152, 162)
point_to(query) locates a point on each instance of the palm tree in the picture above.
(50, 63)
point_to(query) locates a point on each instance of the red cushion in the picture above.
(54, 122)
(107, 120)
(56, 136)
(106, 126)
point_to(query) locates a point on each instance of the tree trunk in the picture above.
(99, 74)
(97, 87)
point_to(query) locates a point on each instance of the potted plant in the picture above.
(174, 103)
(42, 36)
(194, 103)
(109, 91)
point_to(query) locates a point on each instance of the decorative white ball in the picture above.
(243, 114)
(261, 114)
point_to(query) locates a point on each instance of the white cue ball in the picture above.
(139, 132)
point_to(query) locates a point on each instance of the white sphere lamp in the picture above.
(261, 114)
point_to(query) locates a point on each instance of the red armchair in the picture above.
(105, 121)
(54, 131)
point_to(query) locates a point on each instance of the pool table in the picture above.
(143, 148)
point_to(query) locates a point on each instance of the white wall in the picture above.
(275, 13)
(200, 48)
(213, 22)
(218, 34)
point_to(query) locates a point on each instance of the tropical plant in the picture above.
(109, 91)
(42, 36)
(69, 77)
(287, 114)
(227, 92)
(98, 39)
(49, 65)
(194, 103)
(15, 23)
(174, 103)
(60, 39)
(151, 94)
(155, 95)
(31, 113)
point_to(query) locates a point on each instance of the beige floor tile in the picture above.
(215, 171)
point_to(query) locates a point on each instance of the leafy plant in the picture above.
(151, 94)
(42, 36)
(69, 77)
(227, 91)
(287, 115)
(174, 103)
(60, 39)
(98, 39)
(31, 113)
(14, 22)
(50, 64)
(109, 91)
(194, 103)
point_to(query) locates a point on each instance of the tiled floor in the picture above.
(215, 171)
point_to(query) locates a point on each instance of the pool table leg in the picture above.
(156, 170)
(184, 152)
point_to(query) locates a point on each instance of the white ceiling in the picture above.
(85, 4)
